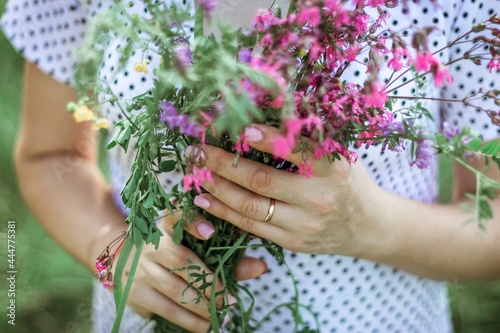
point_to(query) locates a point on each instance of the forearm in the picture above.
(433, 241)
(73, 206)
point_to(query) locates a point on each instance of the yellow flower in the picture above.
(141, 67)
(83, 113)
(101, 123)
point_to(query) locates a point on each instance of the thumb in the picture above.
(250, 268)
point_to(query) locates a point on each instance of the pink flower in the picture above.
(376, 97)
(197, 179)
(425, 61)
(241, 145)
(327, 146)
(281, 147)
(305, 168)
(494, 65)
(441, 73)
(310, 15)
(208, 5)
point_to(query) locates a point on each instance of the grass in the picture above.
(53, 291)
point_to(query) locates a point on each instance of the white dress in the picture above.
(348, 294)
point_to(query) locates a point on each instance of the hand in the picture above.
(157, 290)
(328, 213)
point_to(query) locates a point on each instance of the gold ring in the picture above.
(270, 212)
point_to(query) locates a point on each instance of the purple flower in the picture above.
(168, 110)
(449, 130)
(182, 56)
(424, 154)
(171, 117)
(245, 55)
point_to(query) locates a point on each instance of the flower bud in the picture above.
(479, 27)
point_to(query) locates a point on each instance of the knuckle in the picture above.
(170, 288)
(324, 204)
(261, 180)
(250, 206)
(169, 311)
(180, 258)
(224, 212)
(219, 163)
(248, 224)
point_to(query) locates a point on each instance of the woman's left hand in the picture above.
(331, 212)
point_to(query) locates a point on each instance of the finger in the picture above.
(199, 227)
(255, 176)
(176, 289)
(184, 263)
(245, 202)
(266, 138)
(149, 300)
(259, 228)
(250, 268)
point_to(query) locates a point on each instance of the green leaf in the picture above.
(491, 148)
(168, 166)
(149, 202)
(178, 232)
(137, 235)
(121, 298)
(141, 224)
(153, 150)
(476, 143)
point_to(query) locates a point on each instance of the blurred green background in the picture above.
(54, 292)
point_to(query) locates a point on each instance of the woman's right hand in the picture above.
(158, 290)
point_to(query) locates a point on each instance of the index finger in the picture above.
(255, 176)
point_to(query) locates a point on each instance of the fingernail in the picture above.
(201, 202)
(205, 229)
(253, 135)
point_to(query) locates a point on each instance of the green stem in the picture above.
(199, 22)
(121, 298)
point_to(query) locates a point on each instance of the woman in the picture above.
(379, 210)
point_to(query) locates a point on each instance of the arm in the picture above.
(341, 210)
(62, 185)
(58, 175)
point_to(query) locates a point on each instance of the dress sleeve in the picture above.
(468, 78)
(46, 32)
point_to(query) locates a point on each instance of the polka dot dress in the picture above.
(346, 294)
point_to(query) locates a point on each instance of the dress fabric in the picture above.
(347, 294)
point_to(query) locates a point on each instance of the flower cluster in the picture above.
(104, 263)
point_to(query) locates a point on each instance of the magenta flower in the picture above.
(208, 5)
(305, 168)
(197, 179)
(494, 65)
(310, 15)
(441, 73)
(425, 61)
(376, 97)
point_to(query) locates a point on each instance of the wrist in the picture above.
(374, 228)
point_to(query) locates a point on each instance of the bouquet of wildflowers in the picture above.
(287, 72)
